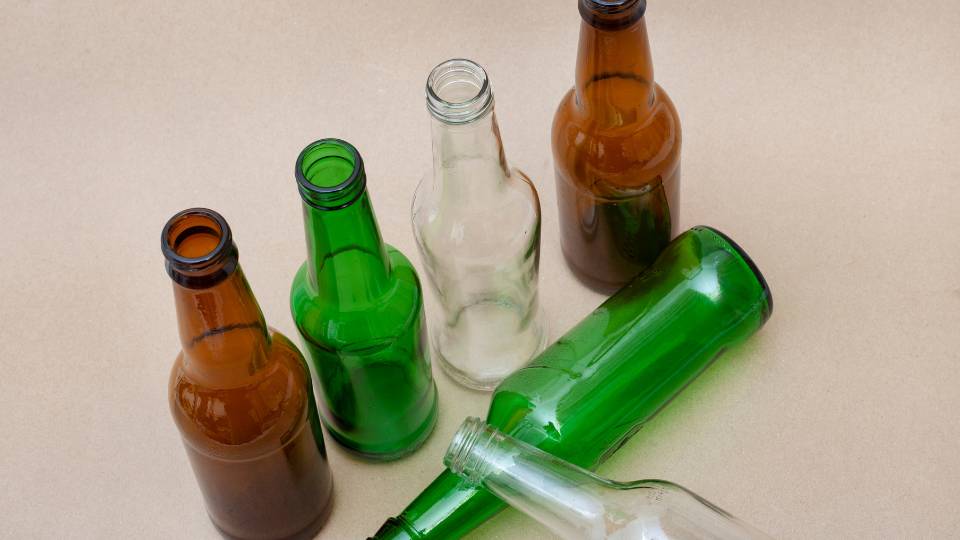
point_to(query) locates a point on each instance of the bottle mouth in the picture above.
(198, 247)
(460, 457)
(458, 91)
(612, 14)
(330, 174)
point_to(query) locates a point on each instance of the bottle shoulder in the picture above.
(617, 145)
(242, 422)
(338, 326)
(468, 224)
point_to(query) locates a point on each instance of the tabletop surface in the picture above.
(821, 135)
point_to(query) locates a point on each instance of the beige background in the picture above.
(822, 135)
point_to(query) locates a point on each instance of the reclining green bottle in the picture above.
(586, 394)
(358, 306)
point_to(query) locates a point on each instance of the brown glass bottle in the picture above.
(616, 149)
(240, 393)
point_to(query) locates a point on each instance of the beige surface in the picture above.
(822, 135)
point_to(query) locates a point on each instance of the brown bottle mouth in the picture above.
(612, 14)
(198, 247)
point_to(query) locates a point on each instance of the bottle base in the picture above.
(486, 384)
(592, 282)
(424, 432)
(306, 533)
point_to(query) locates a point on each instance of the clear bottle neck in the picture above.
(467, 147)
(614, 74)
(224, 337)
(347, 260)
(530, 480)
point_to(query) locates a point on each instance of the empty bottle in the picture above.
(616, 150)
(579, 505)
(477, 224)
(586, 394)
(358, 306)
(240, 393)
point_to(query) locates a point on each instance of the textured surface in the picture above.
(820, 135)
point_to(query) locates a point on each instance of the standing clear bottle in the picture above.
(579, 505)
(477, 224)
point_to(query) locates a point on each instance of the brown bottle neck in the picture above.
(614, 75)
(224, 336)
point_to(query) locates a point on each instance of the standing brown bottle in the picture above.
(240, 393)
(616, 149)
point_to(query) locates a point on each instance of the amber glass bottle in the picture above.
(240, 393)
(616, 149)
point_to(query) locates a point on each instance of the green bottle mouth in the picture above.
(330, 174)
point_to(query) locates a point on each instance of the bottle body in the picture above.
(616, 145)
(477, 225)
(358, 306)
(579, 505)
(241, 396)
(586, 394)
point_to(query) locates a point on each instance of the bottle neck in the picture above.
(536, 483)
(224, 336)
(614, 75)
(470, 155)
(225, 339)
(346, 258)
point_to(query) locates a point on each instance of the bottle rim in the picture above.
(201, 270)
(612, 14)
(460, 457)
(326, 157)
(459, 72)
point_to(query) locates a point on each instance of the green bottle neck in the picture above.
(347, 260)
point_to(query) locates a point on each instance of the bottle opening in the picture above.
(460, 457)
(612, 14)
(458, 91)
(330, 174)
(198, 247)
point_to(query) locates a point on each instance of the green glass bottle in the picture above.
(584, 396)
(358, 306)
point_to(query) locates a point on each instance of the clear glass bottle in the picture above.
(477, 224)
(596, 386)
(240, 393)
(579, 505)
(358, 306)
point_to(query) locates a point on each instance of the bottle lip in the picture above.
(458, 74)
(330, 194)
(203, 270)
(460, 457)
(612, 14)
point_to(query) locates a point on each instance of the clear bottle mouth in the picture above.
(198, 247)
(462, 456)
(458, 91)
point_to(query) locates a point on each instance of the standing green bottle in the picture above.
(584, 396)
(358, 306)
